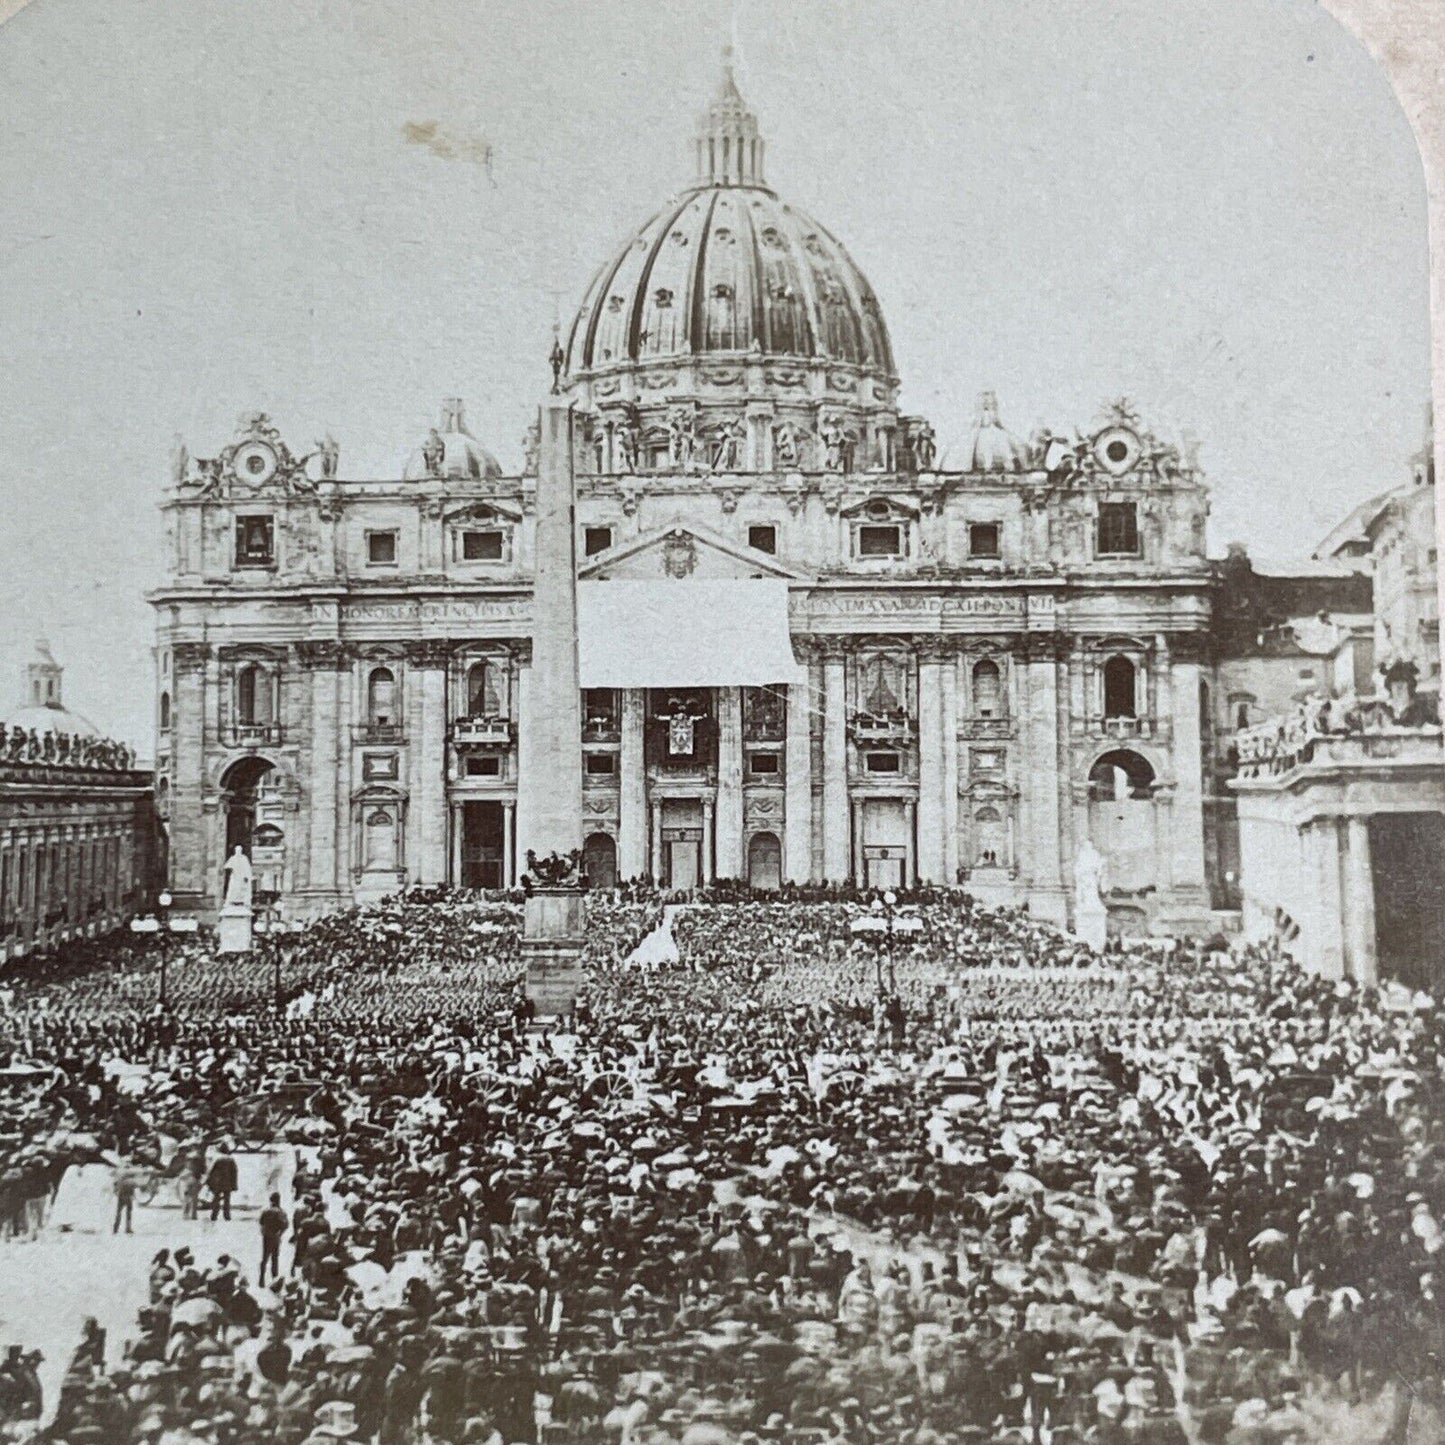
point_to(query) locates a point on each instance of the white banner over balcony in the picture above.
(684, 633)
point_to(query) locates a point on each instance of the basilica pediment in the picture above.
(685, 550)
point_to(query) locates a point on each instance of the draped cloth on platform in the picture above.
(684, 633)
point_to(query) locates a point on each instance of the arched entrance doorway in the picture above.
(246, 788)
(599, 861)
(1122, 818)
(765, 861)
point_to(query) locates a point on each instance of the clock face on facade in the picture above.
(1116, 450)
(255, 463)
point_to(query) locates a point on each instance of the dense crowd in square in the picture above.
(1021, 1192)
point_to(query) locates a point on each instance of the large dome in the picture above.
(727, 267)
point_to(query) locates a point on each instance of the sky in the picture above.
(342, 211)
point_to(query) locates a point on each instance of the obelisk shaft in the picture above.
(550, 762)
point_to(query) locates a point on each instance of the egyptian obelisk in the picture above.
(549, 807)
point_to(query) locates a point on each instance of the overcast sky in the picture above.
(341, 211)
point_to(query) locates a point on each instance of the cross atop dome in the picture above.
(729, 148)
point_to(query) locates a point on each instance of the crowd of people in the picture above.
(1018, 1195)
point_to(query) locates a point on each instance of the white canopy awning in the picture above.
(684, 633)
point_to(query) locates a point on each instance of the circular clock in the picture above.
(1116, 450)
(255, 462)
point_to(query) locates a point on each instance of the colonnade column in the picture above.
(1040, 782)
(1359, 902)
(1326, 932)
(930, 766)
(1187, 824)
(910, 851)
(798, 786)
(948, 742)
(454, 878)
(322, 659)
(729, 833)
(187, 843)
(705, 864)
(427, 862)
(657, 841)
(509, 845)
(836, 826)
(632, 818)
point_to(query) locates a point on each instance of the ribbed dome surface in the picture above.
(57, 720)
(730, 268)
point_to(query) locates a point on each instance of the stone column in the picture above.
(189, 879)
(835, 769)
(948, 742)
(1325, 932)
(910, 848)
(859, 869)
(729, 836)
(657, 841)
(427, 679)
(705, 853)
(632, 822)
(322, 660)
(798, 786)
(1041, 761)
(1187, 824)
(457, 823)
(930, 767)
(1359, 903)
(509, 845)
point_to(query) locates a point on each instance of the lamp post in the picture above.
(163, 911)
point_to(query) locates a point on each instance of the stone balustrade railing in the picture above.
(1273, 747)
(64, 750)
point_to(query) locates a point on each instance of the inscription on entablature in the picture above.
(451, 609)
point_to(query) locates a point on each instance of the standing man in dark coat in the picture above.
(222, 1181)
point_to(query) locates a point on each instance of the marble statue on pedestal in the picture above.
(1090, 916)
(233, 924)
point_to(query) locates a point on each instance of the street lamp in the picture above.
(163, 909)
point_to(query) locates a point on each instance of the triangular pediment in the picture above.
(684, 549)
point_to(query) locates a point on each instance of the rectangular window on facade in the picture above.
(255, 542)
(381, 549)
(764, 765)
(1118, 529)
(595, 540)
(379, 767)
(600, 765)
(487, 546)
(763, 537)
(876, 540)
(983, 540)
(883, 762)
(486, 766)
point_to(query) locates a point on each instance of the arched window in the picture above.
(1119, 678)
(987, 688)
(253, 695)
(381, 697)
(483, 696)
(165, 712)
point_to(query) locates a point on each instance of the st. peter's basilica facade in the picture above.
(994, 660)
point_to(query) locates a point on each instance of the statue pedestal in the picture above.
(1091, 926)
(233, 929)
(554, 926)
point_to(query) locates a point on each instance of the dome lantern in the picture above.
(729, 148)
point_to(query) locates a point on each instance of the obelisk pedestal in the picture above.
(549, 810)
